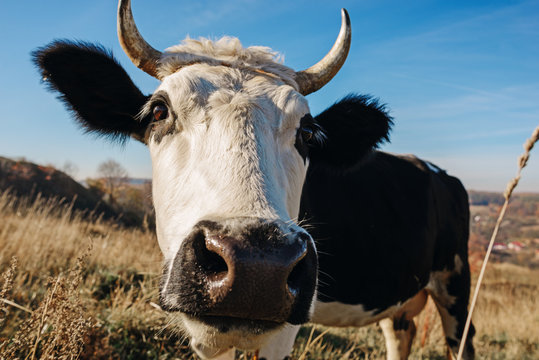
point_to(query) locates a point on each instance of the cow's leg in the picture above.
(280, 345)
(451, 292)
(399, 329)
(398, 341)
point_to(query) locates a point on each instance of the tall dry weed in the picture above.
(49, 307)
(7, 284)
(56, 329)
(522, 162)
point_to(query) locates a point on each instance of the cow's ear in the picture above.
(353, 127)
(94, 86)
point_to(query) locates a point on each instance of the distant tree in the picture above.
(97, 187)
(70, 169)
(114, 176)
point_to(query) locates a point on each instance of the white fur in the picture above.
(230, 152)
(339, 314)
(280, 345)
(212, 341)
(438, 281)
(391, 339)
(233, 153)
(226, 51)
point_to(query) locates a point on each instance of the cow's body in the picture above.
(387, 231)
(233, 144)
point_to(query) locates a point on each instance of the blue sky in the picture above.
(461, 77)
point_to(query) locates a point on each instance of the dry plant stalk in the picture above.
(6, 287)
(57, 327)
(310, 343)
(522, 162)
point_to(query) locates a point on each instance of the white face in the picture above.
(225, 150)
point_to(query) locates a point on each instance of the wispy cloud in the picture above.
(506, 105)
(447, 84)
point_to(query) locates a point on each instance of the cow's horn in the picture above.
(139, 51)
(318, 75)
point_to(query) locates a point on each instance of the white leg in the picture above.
(280, 345)
(392, 343)
(399, 334)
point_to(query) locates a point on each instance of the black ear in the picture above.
(353, 126)
(93, 86)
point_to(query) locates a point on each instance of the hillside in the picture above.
(24, 178)
(518, 238)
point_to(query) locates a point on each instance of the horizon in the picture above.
(139, 180)
(461, 79)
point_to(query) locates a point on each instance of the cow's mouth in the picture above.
(213, 334)
(225, 324)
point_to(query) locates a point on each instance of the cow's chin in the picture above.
(211, 335)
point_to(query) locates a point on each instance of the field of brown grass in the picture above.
(88, 290)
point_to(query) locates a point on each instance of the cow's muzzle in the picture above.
(243, 268)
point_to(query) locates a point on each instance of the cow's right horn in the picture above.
(318, 75)
(142, 54)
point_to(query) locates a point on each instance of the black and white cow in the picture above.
(239, 164)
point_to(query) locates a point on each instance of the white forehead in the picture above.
(220, 91)
(225, 51)
(200, 75)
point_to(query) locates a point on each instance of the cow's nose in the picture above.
(262, 273)
(263, 279)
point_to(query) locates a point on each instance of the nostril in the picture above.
(214, 265)
(211, 263)
(294, 279)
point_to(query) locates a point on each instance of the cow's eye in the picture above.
(307, 133)
(160, 112)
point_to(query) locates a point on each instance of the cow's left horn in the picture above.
(318, 75)
(142, 54)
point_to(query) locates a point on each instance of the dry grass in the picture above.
(99, 305)
(102, 299)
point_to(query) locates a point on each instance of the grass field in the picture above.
(88, 290)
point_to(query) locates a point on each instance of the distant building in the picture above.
(499, 247)
(516, 245)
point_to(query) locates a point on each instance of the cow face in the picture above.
(224, 144)
(227, 178)
(228, 130)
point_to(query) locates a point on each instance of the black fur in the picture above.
(94, 86)
(353, 127)
(376, 224)
(386, 226)
(382, 228)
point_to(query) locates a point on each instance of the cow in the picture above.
(269, 217)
